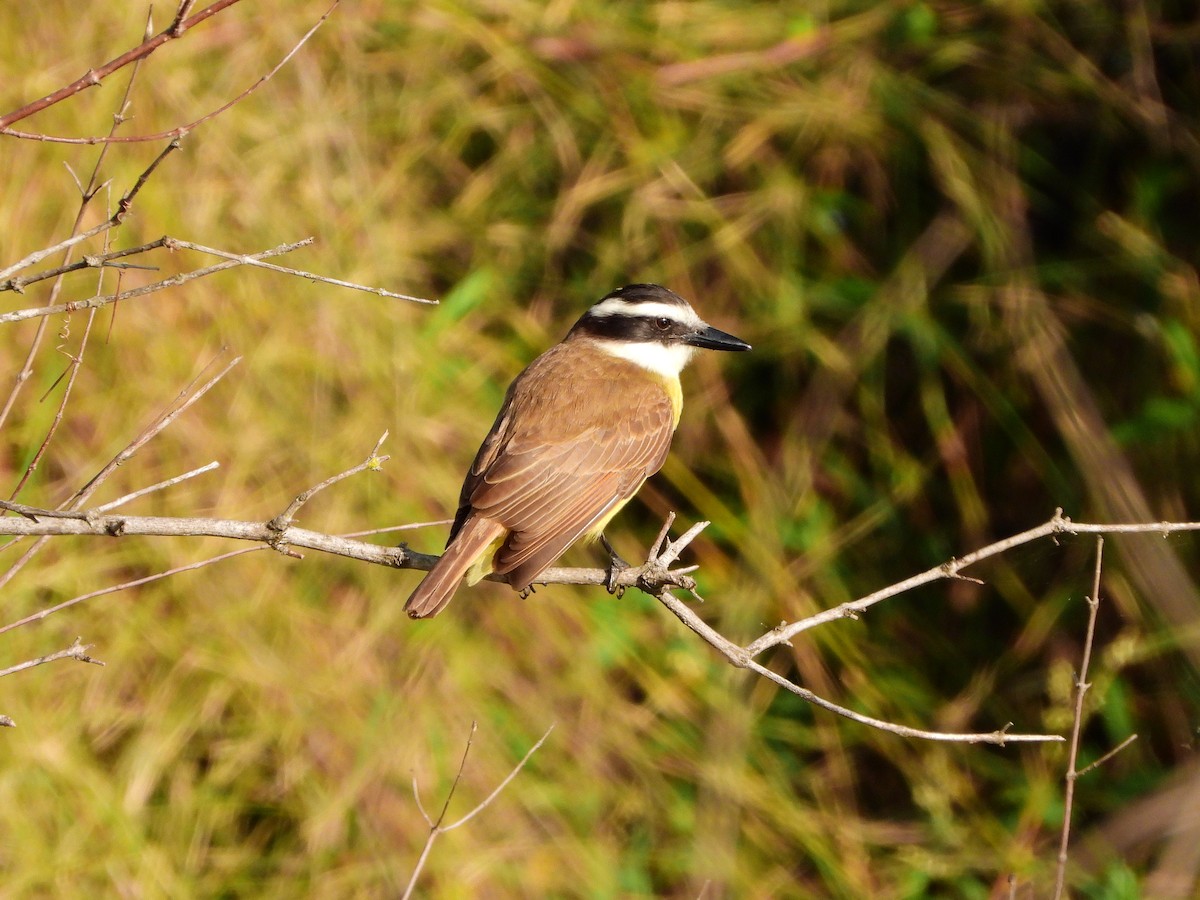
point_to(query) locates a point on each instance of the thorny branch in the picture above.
(1082, 686)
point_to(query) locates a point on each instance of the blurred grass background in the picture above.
(962, 239)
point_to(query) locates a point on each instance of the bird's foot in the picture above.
(616, 566)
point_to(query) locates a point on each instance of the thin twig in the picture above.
(75, 651)
(1107, 756)
(1081, 689)
(436, 828)
(300, 273)
(149, 433)
(1058, 524)
(86, 195)
(75, 365)
(21, 315)
(91, 261)
(181, 130)
(373, 462)
(502, 785)
(123, 207)
(137, 582)
(19, 283)
(420, 805)
(394, 528)
(170, 482)
(81, 496)
(674, 548)
(94, 77)
(738, 657)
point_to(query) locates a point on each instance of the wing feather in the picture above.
(562, 456)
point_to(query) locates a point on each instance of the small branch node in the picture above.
(79, 651)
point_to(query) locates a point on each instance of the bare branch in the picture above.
(93, 77)
(1081, 689)
(437, 828)
(137, 582)
(250, 261)
(123, 207)
(181, 130)
(75, 651)
(86, 195)
(742, 658)
(1059, 524)
(91, 261)
(502, 785)
(147, 434)
(19, 283)
(170, 482)
(21, 315)
(390, 529)
(152, 431)
(1107, 756)
(653, 577)
(76, 364)
(373, 462)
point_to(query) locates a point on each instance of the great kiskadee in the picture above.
(580, 430)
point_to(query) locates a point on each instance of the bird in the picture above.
(579, 431)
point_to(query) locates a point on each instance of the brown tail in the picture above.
(438, 587)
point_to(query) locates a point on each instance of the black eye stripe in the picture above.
(633, 328)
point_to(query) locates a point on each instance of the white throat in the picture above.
(667, 360)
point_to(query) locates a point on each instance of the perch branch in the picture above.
(654, 577)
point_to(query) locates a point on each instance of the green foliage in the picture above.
(898, 204)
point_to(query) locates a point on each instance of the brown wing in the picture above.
(578, 434)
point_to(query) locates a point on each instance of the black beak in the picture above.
(712, 339)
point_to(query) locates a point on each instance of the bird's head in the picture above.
(651, 326)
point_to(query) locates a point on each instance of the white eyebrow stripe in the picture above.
(615, 306)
